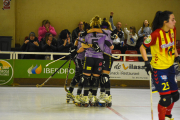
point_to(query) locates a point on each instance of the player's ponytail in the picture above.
(95, 22)
(159, 19)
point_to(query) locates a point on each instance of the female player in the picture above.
(162, 43)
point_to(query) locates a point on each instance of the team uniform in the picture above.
(162, 45)
(105, 98)
(79, 60)
(93, 63)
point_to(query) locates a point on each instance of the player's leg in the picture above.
(87, 70)
(74, 81)
(161, 83)
(95, 80)
(105, 79)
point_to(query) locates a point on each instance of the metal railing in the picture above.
(14, 55)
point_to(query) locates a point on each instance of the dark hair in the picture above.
(106, 24)
(144, 26)
(63, 34)
(159, 19)
(47, 36)
(134, 30)
(86, 26)
(45, 22)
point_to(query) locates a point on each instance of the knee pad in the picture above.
(105, 79)
(85, 80)
(175, 96)
(95, 81)
(165, 100)
(75, 80)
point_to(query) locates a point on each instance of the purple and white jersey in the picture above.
(81, 55)
(100, 38)
(106, 48)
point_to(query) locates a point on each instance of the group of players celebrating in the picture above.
(92, 66)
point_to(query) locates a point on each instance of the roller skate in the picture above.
(78, 100)
(85, 101)
(108, 100)
(101, 101)
(94, 101)
(69, 97)
(167, 118)
(90, 97)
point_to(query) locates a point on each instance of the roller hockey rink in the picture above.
(49, 103)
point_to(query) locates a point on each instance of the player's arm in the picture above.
(109, 44)
(176, 53)
(80, 50)
(143, 53)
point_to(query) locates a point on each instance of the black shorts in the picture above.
(92, 65)
(107, 62)
(79, 65)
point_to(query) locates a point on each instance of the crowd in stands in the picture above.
(46, 41)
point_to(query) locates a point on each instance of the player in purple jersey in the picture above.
(106, 98)
(78, 60)
(93, 59)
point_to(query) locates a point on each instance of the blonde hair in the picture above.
(95, 22)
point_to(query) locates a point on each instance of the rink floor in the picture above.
(49, 103)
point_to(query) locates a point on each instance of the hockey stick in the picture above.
(52, 75)
(115, 57)
(151, 95)
(55, 60)
(65, 85)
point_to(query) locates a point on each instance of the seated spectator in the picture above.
(46, 28)
(48, 44)
(31, 44)
(76, 32)
(131, 37)
(64, 43)
(119, 42)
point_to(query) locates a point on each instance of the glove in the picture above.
(177, 59)
(96, 47)
(73, 53)
(148, 67)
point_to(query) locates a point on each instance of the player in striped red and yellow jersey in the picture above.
(162, 43)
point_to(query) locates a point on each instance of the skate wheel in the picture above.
(109, 104)
(74, 102)
(67, 101)
(79, 104)
(86, 105)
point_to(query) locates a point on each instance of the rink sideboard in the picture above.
(32, 72)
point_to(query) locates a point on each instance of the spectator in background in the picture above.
(48, 44)
(46, 28)
(131, 37)
(143, 33)
(118, 42)
(31, 44)
(76, 32)
(64, 43)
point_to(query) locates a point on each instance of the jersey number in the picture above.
(166, 86)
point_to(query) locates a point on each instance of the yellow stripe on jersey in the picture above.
(163, 51)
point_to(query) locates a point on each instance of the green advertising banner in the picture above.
(38, 69)
(6, 72)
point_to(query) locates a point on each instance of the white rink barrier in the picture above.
(121, 70)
